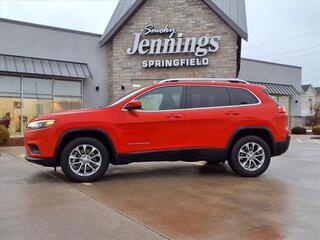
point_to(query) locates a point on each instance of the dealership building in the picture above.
(46, 69)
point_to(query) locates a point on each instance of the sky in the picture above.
(282, 31)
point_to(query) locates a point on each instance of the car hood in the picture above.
(76, 113)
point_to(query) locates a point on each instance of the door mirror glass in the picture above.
(134, 104)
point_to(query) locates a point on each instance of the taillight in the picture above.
(281, 109)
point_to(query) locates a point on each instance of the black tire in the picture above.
(234, 161)
(96, 173)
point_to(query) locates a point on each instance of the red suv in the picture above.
(177, 119)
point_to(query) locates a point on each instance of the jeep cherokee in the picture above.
(212, 120)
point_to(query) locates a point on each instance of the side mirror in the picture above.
(134, 104)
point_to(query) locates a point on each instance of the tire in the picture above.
(246, 160)
(93, 164)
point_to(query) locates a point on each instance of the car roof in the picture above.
(210, 81)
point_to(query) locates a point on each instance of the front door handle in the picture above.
(232, 113)
(175, 116)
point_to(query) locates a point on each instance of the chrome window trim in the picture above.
(170, 110)
(236, 80)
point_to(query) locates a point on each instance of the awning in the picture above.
(43, 67)
(279, 89)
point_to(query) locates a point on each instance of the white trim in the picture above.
(205, 79)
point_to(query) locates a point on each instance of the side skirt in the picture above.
(186, 154)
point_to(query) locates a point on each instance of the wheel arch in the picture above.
(259, 131)
(95, 133)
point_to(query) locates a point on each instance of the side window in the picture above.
(164, 98)
(242, 96)
(205, 96)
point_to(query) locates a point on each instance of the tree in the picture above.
(315, 118)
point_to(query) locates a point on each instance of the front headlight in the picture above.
(41, 124)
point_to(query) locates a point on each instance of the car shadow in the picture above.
(154, 171)
(124, 173)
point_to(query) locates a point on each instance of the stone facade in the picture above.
(193, 18)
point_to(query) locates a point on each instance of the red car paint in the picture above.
(136, 131)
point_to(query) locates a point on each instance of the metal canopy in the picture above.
(43, 67)
(279, 89)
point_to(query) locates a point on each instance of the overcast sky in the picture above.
(284, 31)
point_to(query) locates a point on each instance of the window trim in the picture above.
(185, 95)
(183, 100)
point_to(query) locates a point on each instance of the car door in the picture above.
(209, 119)
(156, 127)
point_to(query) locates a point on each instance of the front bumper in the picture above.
(47, 162)
(281, 147)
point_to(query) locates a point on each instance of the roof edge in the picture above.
(226, 19)
(6, 20)
(122, 21)
(272, 63)
(44, 59)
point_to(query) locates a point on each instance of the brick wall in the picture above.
(192, 18)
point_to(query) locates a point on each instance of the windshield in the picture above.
(129, 94)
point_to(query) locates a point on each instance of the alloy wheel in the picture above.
(251, 156)
(85, 160)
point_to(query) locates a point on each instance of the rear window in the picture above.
(242, 96)
(205, 96)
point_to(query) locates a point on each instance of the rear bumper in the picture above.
(281, 147)
(47, 162)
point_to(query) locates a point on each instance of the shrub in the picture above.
(4, 134)
(316, 130)
(298, 130)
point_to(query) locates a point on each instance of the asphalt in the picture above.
(164, 200)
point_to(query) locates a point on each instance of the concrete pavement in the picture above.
(165, 200)
(35, 204)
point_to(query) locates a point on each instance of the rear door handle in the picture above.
(232, 113)
(174, 116)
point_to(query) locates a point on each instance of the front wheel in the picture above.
(250, 156)
(84, 159)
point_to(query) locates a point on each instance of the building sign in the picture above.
(175, 43)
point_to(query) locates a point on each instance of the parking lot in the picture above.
(164, 200)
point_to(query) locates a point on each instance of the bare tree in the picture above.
(315, 119)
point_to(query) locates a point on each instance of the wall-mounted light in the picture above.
(296, 101)
(97, 88)
(123, 88)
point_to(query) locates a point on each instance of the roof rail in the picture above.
(205, 79)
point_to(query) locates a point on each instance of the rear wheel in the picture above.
(250, 156)
(84, 159)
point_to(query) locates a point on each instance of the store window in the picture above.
(67, 96)
(23, 98)
(10, 103)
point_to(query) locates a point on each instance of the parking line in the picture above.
(199, 163)
(87, 184)
(299, 140)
